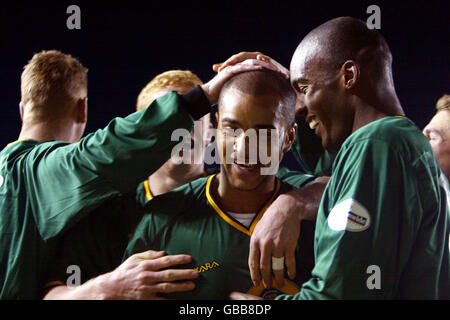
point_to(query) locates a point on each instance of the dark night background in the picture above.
(126, 44)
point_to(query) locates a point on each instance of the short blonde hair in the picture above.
(49, 77)
(443, 103)
(172, 78)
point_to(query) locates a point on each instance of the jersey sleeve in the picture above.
(365, 231)
(295, 179)
(64, 182)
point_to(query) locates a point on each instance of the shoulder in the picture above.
(180, 198)
(393, 134)
(31, 150)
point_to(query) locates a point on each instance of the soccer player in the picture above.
(49, 181)
(213, 218)
(383, 224)
(438, 133)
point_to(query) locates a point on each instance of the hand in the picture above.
(277, 233)
(212, 88)
(243, 296)
(145, 275)
(239, 57)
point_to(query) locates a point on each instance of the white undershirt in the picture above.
(243, 218)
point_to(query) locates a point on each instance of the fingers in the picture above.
(169, 287)
(150, 292)
(239, 57)
(166, 262)
(279, 274)
(253, 262)
(266, 264)
(242, 56)
(243, 296)
(177, 274)
(289, 256)
(150, 254)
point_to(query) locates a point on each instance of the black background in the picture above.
(125, 44)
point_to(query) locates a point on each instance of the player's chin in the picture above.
(245, 181)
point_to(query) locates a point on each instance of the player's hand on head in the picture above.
(144, 276)
(242, 56)
(273, 243)
(212, 88)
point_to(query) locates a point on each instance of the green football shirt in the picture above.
(383, 224)
(97, 243)
(189, 220)
(48, 187)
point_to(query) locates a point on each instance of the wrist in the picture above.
(206, 91)
(99, 288)
(295, 207)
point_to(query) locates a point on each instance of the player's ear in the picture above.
(350, 74)
(290, 137)
(81, 110)
(21, 110)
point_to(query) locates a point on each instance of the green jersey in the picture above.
(189, 220)
(383, 224)
(48, 187)
(96, 244)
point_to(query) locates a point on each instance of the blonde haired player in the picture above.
(173, 80)
(172, 175)
(54, 97)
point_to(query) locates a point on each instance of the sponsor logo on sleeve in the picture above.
(349, 215)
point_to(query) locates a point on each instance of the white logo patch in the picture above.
(349, 215)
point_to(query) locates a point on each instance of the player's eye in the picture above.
(230, 132)
(433, 136)
(303, 89)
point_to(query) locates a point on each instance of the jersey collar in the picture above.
(230, 219)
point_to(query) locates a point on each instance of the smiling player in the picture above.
(212, 218)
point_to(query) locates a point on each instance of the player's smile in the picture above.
(241, 123)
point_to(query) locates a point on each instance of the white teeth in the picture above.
(245, 165)
(313, 124)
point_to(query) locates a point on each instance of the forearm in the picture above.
(87, 291)
(305, 201)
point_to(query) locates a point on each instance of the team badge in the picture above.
(349, 215)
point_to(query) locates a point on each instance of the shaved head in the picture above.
(343, 72)
(340, 40)
(264, 82)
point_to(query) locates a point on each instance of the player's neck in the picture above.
(235, 200)
(366, 113)
(45, 131)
